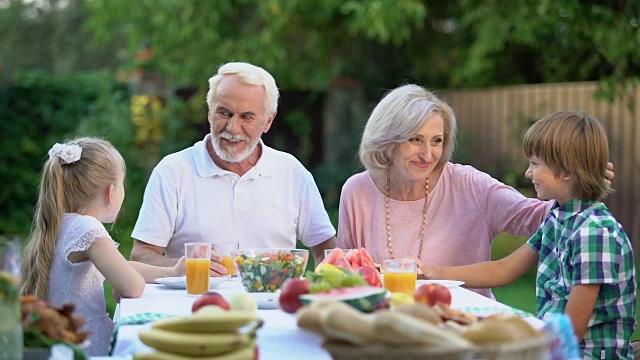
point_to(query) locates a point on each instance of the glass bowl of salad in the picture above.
(265, 270)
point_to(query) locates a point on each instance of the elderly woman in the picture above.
(412, 202)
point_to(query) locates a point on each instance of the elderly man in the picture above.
(231, 187)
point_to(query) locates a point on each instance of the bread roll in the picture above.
(420, 311)
(342, 322)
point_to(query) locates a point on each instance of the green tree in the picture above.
(304, 44)
(50, 35)
(550, 41)
(308, 44)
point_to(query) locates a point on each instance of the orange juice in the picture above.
(402, 282)
(198, 276)
(227, 261)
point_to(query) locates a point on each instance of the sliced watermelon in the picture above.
(351, 260)
(353, 256)
(334, 255)
(363, 298)
(365, 258)
(337, 258)
(342, 262)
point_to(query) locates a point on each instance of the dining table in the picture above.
(279, 337)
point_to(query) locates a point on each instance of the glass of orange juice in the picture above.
(224, 250)
(198, 263)
(400, 275)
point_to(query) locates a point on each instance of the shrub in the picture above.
(38, 110)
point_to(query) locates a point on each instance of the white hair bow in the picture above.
(67, 153)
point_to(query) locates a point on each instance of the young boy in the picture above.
(585, 259)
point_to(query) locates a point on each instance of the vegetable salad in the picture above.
(267, 272)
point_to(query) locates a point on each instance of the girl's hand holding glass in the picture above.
(180, 268)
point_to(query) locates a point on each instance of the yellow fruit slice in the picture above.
(328, 268)
(243, 302)
(400, 298)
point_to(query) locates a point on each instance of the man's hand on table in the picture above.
(217, 269)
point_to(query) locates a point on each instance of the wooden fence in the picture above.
(492, 122)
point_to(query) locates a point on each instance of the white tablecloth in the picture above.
(279, 338)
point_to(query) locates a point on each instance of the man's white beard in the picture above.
(231, 156)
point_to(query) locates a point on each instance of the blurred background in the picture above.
(135, 73)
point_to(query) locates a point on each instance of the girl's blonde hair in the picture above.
(575, 143)
(65, 188)
(396, 118)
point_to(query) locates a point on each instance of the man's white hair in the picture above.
(248, 74)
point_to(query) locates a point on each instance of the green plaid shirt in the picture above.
(581, 243)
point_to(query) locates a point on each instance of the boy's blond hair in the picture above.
(572, 142)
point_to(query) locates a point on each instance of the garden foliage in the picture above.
(38, 110)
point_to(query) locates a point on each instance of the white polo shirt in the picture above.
(189, 198)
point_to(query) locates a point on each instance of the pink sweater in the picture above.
(465, 211)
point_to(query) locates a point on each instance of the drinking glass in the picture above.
(198, 263)
(400, 275)
(328, 251)
(224, 250)
(10, 314)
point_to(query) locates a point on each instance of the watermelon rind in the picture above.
(363, 298)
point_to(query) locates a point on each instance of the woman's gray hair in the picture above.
(396, 118)
(248, 74)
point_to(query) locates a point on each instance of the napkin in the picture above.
(137, 319)
(61, 352)
(487, 311)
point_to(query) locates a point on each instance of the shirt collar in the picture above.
(264, 166)
(205, 166)
(570, 209)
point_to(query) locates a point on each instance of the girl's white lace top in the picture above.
(81, 283)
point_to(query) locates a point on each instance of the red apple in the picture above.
(210, 298)
(432, 294)
(289, 293)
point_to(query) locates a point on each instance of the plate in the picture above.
(267, 300)
(180, 282)
(445, 283)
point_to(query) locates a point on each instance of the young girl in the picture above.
(70, 253)
(585, 260)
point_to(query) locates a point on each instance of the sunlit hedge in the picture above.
(38, 110)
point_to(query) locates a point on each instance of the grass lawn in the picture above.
(521, 293)
(126, 243)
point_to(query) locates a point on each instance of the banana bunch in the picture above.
(210, 333)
